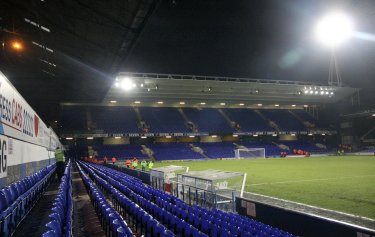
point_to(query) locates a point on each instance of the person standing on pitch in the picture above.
(150, 164)
(128, 162)
(60, 163)
(143, 164)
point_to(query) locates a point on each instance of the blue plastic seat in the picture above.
(55, 226)
(50, 233)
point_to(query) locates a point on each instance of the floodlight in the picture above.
(334, 29)
(222, 103)
(127, 84)
(17, 46)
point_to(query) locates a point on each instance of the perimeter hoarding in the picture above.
(18, 120)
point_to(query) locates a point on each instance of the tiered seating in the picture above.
(284, 120)
(248, 119)
(173, 213)
(121, 151)
(217, 149)
(163, 120)
(174, 151)
(60, 223)
(111, 220)
(305, 146)
(270, 148)
(17, 199)
(115, 119)
(208, 120)
(73, 118)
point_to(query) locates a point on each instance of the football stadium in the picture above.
(187, 118)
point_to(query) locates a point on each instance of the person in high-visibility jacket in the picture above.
(150, 164)
(134, 163)
(144, 164)
(60, 162)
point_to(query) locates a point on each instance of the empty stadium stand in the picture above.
(155, 213)
(163, 120)
(248, 120)
(115, 119)
(174, 151)
(208, 120)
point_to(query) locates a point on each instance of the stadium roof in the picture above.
(205, 91)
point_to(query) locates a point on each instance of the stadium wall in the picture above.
(26, 143)
(298, 223)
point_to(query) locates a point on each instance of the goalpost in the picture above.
(250, 153)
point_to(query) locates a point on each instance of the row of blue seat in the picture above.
(60, 219)
(147, 214)
(214, 223)
(111, 221)
(17, 199)
(138, 217)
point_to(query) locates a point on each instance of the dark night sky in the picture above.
(271, 39)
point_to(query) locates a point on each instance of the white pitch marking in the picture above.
(312, 180)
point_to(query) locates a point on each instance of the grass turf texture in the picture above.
(344, 184)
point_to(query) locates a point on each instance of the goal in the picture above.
(250, 153)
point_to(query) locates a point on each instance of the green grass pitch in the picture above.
(344, 184)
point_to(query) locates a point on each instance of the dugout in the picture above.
(165, 178)
(211, 188)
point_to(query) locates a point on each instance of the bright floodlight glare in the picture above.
(127, 84)
(333, 30)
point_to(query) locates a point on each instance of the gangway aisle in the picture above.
(85, 220)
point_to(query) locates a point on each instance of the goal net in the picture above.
(250, 153)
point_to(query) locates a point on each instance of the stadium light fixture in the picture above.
(310, 134)
(90, 138)
(113, 101)
(255, 135)
(16, 45)
(293, 134)
(235, 135)
(117, 84)
(126, 84)
(182, 103)
(277, 105)
(260, 105)
(274, 134)
(142, 85)
(373, 115)
(143, 137)
(137, 102)
(222, 103)
(334, 29)
(213, 136)
(323, 134)
(294, 105)
(305, 106)
(191, 136)
(69, 138)
(160, 102)
(241, 104)
(202, 103)
(117, 137)
(168, 137)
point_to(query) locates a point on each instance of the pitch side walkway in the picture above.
(311, 210)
